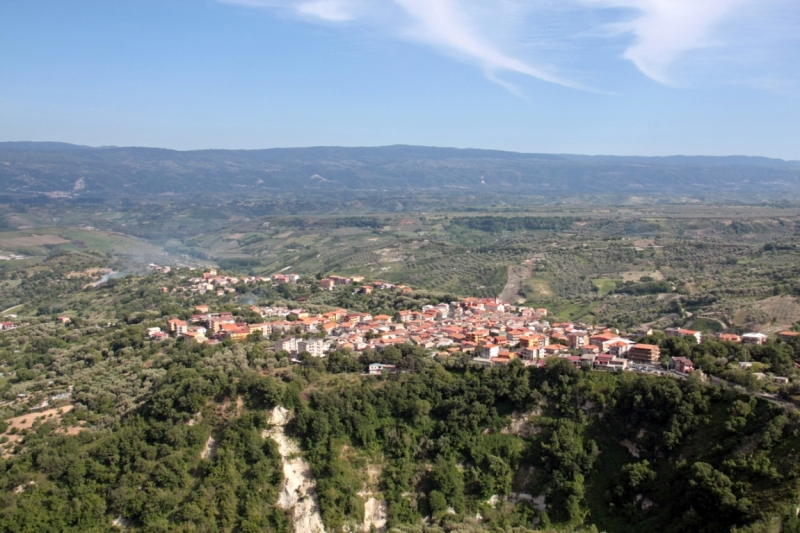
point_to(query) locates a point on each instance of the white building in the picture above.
(316, 347)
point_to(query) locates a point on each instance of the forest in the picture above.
(173, 436)
(539, 449)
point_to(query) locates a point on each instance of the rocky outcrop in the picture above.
(299, 492)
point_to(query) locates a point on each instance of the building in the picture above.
(265, 328)
(729, 337)
(603, 341)
(177, 326)
(644, 353)
(327, 284)
(577, 339)
(754, 339)
(788, 336)
(288, 345)
(377, 369)
(607, 361)
(315, 347)
(235, 332)
(490, 351)
(678, 332)
(681, 364)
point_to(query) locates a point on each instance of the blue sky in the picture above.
(646, 77)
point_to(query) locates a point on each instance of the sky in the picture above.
(625, 77)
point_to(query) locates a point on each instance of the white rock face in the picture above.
(210, 450)
(375, 513)
(300, 488)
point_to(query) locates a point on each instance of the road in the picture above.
(10, 309)
(772, 398)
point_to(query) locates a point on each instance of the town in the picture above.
(490, 331)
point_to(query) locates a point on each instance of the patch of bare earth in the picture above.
(516, 275)
(26, 422)
(376, 509)
(521, 426)
(33, 240)
(300, 487)
(783, 310)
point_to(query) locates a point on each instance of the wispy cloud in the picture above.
(665, 29)
(448, 26)
(530, 37)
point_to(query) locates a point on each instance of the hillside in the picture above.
(68, 171)
(173, 435)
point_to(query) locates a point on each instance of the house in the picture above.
(681, 364)
(729, 337)
(265, 328)
(177, 326)
(788, 336)
(327, 284)
(63, 320)
(780, 380)
(754, 339)
(195, 336)
(158, 336)
(603, 341)
(201, 308)
(620, 347)
(235, 332)
(491, 351)
(288, 345)
(607, 361)
(377, 369)
(679, 332)
(315, 347)
(554, 349)
(644, 353)
(577, 339)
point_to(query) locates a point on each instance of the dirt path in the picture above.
(300, 488)
(516, 275)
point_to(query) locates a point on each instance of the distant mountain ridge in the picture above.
(66, 170)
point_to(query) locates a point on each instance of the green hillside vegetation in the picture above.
(594, 451)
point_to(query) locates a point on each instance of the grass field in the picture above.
(605, 285)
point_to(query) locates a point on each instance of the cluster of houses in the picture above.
(491, 331)
(159, 268)
(331, 282)
(220, 284)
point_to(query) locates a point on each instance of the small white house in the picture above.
(377, 369)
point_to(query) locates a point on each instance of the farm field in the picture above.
(630, 265)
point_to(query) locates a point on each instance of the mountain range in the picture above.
(70, 171)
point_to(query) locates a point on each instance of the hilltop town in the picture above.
(489, 331)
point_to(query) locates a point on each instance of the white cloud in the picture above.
(582, 37)
(446, 25)
(665, 29)
(330, 10)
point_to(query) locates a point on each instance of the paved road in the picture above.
(772, 398)
(10, 309)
